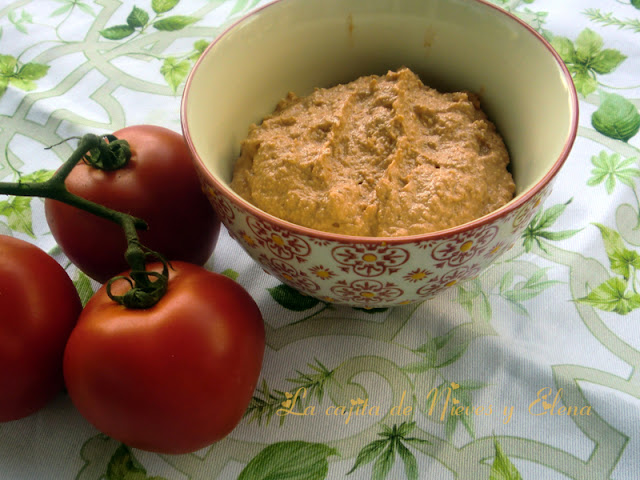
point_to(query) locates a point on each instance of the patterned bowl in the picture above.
(296, 45)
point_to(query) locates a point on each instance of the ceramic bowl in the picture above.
(296, 45)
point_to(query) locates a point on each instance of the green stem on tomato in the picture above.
(55, 188)
(146, 287)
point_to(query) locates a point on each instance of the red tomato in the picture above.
(159, 185)
(39, 306)
(172, 378)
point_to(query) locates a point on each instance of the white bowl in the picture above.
(296, 45)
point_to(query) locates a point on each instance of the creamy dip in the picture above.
(380, 156)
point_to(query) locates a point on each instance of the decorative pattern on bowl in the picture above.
(244, 73)
(372, 274)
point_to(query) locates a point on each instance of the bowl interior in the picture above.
(296, 45)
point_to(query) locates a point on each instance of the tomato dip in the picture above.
(382, 156)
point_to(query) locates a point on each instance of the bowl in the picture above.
(296, 45)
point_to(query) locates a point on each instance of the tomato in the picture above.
(159, 184)
(172, 378)
(39, 306)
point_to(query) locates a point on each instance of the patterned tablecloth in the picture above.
(535, 361)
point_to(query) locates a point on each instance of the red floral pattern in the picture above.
(417, 275)
(366, 274)
(370, 260)
(244, 237)
(521, 217)
(321, 242)
(220, 205)
(498, 249)
(322, 272)
(282, 243)
(463, 247)
(366, 292)
(289, 274)
(449, 279)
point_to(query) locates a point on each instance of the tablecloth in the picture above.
(528, 371)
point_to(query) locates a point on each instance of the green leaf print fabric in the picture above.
(528, 371)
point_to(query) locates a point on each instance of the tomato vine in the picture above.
(105, 153)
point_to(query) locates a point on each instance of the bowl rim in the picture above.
(503, 211)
